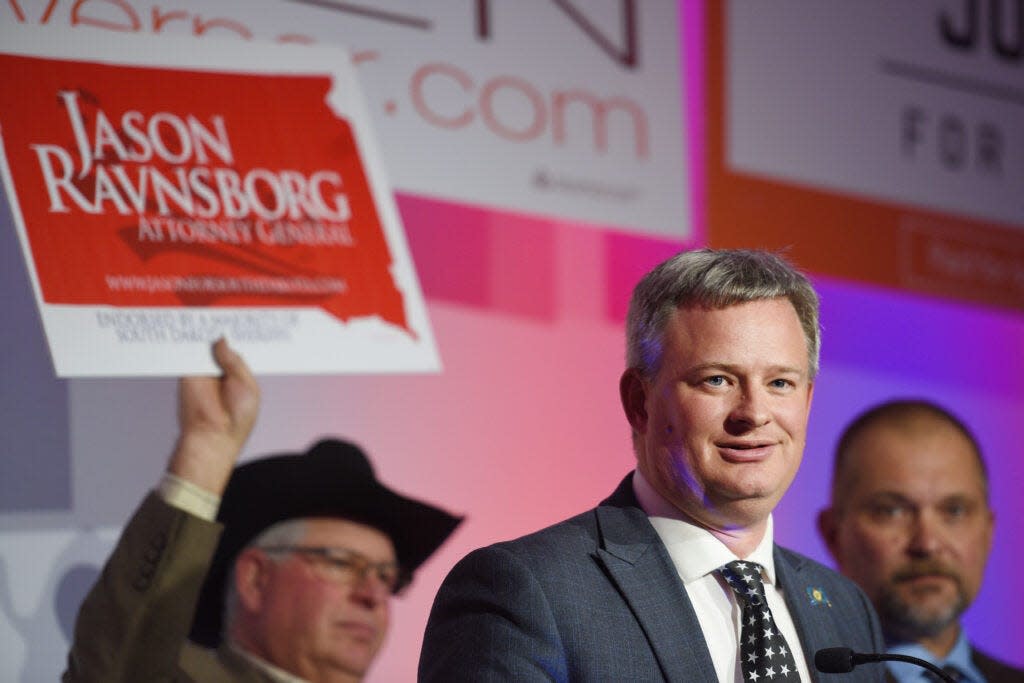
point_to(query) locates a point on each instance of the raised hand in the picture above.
(215, 417)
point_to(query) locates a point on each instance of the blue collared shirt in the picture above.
(959, 656)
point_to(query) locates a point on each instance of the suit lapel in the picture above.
(639, 565)
(815, 624)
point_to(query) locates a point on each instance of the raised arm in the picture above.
(132, 625)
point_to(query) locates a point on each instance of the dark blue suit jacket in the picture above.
(596, 598)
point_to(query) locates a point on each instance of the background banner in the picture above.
(558, 108)
(883, 142)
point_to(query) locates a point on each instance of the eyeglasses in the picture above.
(347, 567)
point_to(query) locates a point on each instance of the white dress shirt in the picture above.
(696, 554)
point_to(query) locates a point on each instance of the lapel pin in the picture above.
(817, 596)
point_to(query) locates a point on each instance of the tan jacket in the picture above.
(133, 626)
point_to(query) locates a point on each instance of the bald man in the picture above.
(910, 522)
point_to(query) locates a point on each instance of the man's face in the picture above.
(722, 424)
(913, 528)
(314, 622)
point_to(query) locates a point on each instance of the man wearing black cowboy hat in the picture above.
(290, 583)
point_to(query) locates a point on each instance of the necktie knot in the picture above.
(745, 580)
(953, 672)
(950, 670)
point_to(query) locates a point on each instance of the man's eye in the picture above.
(956, 509)
(341, 565)
(888, 511)
(388, 576)
(715, 380)
(781, 383)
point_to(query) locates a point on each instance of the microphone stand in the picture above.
(835, 660)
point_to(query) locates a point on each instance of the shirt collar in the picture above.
(693, 549)
(959, 656)
(276, 674)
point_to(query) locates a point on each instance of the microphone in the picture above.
(841, 660)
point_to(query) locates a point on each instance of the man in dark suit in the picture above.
(675, 577)
(293, 579)
(910, 522)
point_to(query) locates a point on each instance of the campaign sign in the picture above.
(167, 193)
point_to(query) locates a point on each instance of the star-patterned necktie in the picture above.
(764, 652)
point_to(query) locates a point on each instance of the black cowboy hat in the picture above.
(332, 479)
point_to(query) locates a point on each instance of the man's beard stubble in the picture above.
(906, 620)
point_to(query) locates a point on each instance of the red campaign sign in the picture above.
(145, 186)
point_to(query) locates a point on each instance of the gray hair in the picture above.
(714, 279)
(287, 532)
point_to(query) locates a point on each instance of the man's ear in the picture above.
(828, 529)
(633, 394)
(990, 531)
(252, 575)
